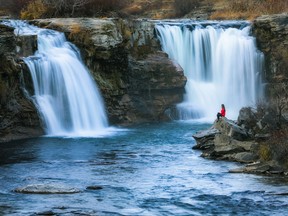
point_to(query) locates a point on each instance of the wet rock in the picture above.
(18, 115)
(269, 167)
(47, 189)
(46, 213)
(247, 117)
(245, 157)
(205, 138)
(229, 127)
(225, 140)
(26, 45)
(7, 40)
(94, 187)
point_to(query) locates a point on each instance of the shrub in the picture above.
(183, 7)
(34, 10)
(250, 9)
(14, 7)
(278, 145)
(265, 152)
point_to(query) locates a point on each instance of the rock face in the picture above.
(137, 80)
(272, 38)
(18, 116)
(241, 141)
(226, 140)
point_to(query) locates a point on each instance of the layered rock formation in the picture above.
(18, 116)
(241, 141)
(271, 33)
(137, 80)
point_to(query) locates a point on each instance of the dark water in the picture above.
(145, 170)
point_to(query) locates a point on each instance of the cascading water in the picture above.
(65, 93)
(221, 63)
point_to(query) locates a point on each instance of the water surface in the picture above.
(148, 169)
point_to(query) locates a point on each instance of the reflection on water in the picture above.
(148, 169)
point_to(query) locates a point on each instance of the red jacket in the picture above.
(223, 112)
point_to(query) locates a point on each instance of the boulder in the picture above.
(231, 129)
(205, 139)
(47, 189)
(225, 140)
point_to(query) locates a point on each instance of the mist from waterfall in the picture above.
(221, 63)
(66, 95)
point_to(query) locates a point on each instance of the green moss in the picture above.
(104, 84)
(265, 152)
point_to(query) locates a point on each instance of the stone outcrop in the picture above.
(226, 140)
(137, 80)
(241, 141)
(271, 33)
(18, 116)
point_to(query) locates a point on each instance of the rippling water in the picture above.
(149, 169)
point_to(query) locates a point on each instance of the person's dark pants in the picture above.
(218, 116)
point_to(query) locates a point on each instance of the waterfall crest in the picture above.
(66, 95)
(221, 63)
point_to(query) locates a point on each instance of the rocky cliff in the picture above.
(271, 33)
(137, 80)
(18, 116)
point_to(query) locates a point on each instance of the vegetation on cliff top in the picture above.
(158, 9)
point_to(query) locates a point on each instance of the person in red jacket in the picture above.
(222, 112)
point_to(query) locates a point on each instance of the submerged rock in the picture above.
(94, 187)
(47, 189)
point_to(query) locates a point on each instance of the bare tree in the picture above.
(66, 6)
(280, 100)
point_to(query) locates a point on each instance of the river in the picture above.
(147, 169)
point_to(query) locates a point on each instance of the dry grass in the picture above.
(75, 28)
(265, 152)
(248, 9)
(221, 9)
(34, 10)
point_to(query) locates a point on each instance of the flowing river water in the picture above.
(149, 169)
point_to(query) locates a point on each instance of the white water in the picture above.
(222, 66)
(65, 93)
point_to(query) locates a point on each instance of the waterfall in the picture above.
(66, 95)
(221, 63)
